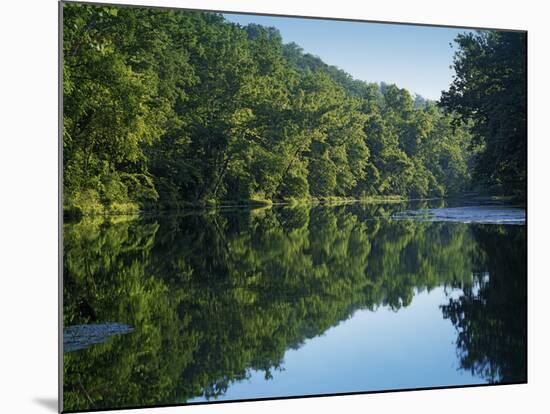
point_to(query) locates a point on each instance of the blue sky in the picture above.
(414, 57)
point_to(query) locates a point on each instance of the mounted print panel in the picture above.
(260, 207)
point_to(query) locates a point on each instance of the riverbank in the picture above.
(121, 209)
(135, 209)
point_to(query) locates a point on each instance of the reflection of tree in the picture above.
(212, 296)
(106, 280)
(491, 315)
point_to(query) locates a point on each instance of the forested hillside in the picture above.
(167, 109)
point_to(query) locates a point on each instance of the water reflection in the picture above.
(491, 314)
(213, 296)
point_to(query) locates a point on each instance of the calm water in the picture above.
(259, 303)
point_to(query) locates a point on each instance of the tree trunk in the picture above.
(222, 174)
(287, 169)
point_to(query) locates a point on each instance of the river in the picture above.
(245, 303)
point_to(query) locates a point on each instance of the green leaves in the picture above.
(174, 108)
(489, 91)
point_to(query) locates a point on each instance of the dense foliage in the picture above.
(212, 297)
(490, 91)
(168, 108)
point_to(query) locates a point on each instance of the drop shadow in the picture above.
(49, 403)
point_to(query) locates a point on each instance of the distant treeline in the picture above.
(164, 109)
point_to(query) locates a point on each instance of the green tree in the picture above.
(169, 109)
(489, 90)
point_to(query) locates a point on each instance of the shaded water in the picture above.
(245, 303)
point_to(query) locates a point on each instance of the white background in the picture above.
(28, 204)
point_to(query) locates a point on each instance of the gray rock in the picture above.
(78, 337)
